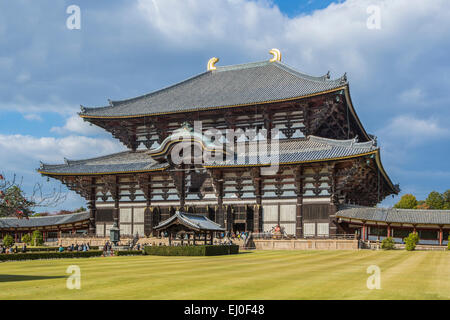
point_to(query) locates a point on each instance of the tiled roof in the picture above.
(308, 149)
(191, 220)
(35, 222)
(127, 161)
(393, 215)
(244, 84)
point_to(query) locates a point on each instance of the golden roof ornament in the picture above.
(276, 55)
(211, 64)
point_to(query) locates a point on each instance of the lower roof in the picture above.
(35, 222)
(192, 221)
(393, 215)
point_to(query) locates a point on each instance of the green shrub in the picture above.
(388, 244)
(37, 239)
(49, 255)
(448, 244)
(42, 249)
(128, 253)
(47, 249)
(26, 238)
(411, 241)
(208, 250)
(8, 241)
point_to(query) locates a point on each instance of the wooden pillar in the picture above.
(92, 207)
(388, 230)
(298, 180)
(152, 221)
(116, 197)
(333, 202)
(257, 212)
(194, 238)
(441, 235)
(205, 233)
(183, 189)
(217, 178)
(364, 231)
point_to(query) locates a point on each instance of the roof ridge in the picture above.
(242, 66)
(347, 143)
(325, 78)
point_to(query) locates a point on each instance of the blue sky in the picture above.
(399, 74)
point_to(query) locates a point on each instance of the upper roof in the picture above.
(238, 85)
(193, 221)
(35, 222)
(310, 149)
(393, 215)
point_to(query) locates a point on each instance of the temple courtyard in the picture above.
(249, 275)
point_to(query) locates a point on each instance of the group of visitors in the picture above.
(235, 235)
(82, 247)
(12, 249)
(107, 249)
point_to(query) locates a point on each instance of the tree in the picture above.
(38, 239)
(446, 196)
(411, 241)
(80, 209)
(26, 238)
(8, 241)
(422, 206)
(388, 244)
(435, 200)
(63, 212)
(14, 202)
(407, 201)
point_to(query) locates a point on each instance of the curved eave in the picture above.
(386, 177)
(352, 110)
(293, 162)
(48, 173)
(176, 219)
(85, 116)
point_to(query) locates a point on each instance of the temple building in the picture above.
(320, 158)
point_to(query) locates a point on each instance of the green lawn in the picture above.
(253, 275)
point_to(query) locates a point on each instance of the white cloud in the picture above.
(412, 96)
(76, 124)
(24, 105)
(20, 149)
(23, 77)
(336, 37)
(32, 117)
(408, 130)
